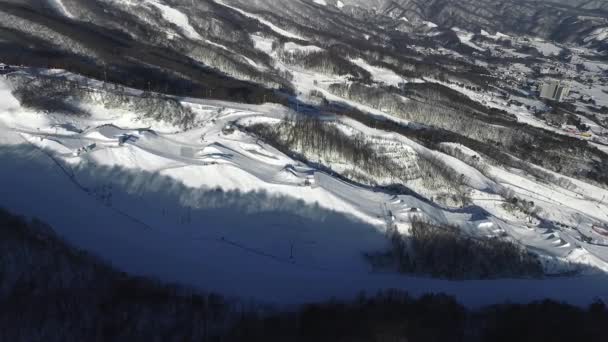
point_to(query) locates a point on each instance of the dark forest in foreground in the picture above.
(50, 291)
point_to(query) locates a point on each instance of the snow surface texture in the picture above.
(60, 8)
(177, 18)
(222, 211)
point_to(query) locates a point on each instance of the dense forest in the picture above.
(51, 291)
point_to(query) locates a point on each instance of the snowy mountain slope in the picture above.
(132, 29)
(270, 25)
(195, 53)
(135, 135)
(178, 199)
(60, 8)
(305, 81)
(548, 19)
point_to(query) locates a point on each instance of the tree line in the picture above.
(62, 95)
(444, 251)
(324, 61)
(325, 143)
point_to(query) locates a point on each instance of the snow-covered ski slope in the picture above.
(58, 6)
(215, 208)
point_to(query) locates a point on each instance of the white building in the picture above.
(554, 90)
